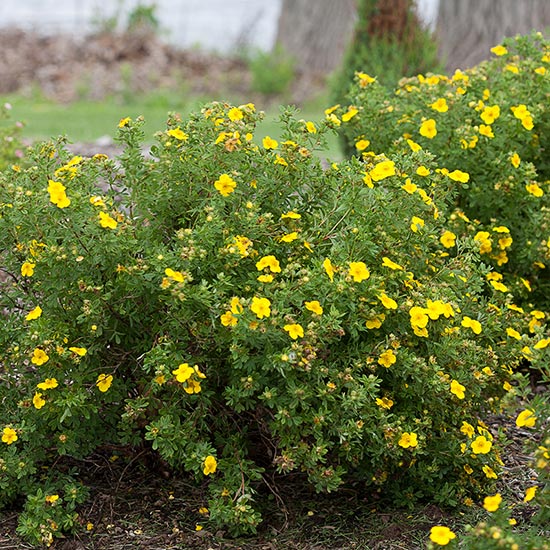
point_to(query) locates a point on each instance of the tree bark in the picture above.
(468, 29)
(316, 32)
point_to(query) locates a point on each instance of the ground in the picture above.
(137, 503)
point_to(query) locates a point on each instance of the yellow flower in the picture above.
(329, 268)
(489, 472)
(362, 144)
(27, 269)
(515, 160)
(294, 331)
(358, 271)
(387, 302)
(209, 465)
(375, 322)
(387, 358)
(527, 122)
(34, 314)
(57, 194)
(48, 384)
(440, 105)
(315, 307)
(414, 146)
(192, 386)
(448, 239)
(541, 344)
(236, 306)
(265, 278)
(386, 262)
(235, 114)
(428, 128)
(225, 184)
(481, 445)
(416, 223)
(526, 419)
(261, 307)
(530, 493)
(534, 189)
(351, 112)
(513, 333)
(408, 439)
(9, 435)
(310, 127)
(39, 357)
(383, 170)
(228, 319)
(270, 262)
(291, 215)
(472, 324)
(486, 131)
(280, 160)
(269, 143)
(439, 534)
(467, 429)
(385, 402)
(183, 372)
(418, 317)
(364, 79)
(38, 401)
(124, 122)
(457, 389)
(176, 276)
(490, 114)
(468, 469)
(499, 286)
(178, 133)
(289, 237)
(106, 221)
(409, 186)
(422, 171)
(499, 50)
(458, 175)
(81, 352)
(104, 382)
(492, 503)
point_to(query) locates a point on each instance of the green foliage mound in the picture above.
(491, 122)
(245, 310)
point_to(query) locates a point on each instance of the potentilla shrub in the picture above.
(244, 309)
(492, 122)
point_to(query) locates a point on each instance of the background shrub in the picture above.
(491, 122)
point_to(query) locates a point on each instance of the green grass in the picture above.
(86, 121)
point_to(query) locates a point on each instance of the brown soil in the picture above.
(135, 503)
(65, 68)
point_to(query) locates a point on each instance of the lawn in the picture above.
(87, 121)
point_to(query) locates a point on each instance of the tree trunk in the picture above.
(468, 29)
(316, 32)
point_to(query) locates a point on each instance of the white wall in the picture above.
(214, 24)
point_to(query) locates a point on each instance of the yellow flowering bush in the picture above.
(241, 309)
(488, 130)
